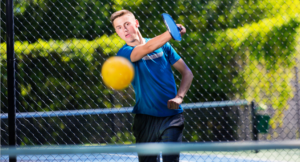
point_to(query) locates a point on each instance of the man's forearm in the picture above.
(158, 41)
(142, 50)
(185, 84)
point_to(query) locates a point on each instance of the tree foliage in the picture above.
(236, 49)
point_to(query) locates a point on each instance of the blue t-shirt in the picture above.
(154, 83)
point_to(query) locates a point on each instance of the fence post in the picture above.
(254, 124)
(112, 116)
(11, 85)
(297, 97)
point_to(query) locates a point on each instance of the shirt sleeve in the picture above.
(170, 53)
(125, 52)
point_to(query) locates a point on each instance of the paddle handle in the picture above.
(179, 28)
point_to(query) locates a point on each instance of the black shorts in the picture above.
(148, 128)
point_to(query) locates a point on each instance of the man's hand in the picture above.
(174, 103)
(183, 29)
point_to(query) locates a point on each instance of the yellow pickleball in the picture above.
(117, 72)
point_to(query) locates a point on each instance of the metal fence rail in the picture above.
(51, 54)
(118, 110)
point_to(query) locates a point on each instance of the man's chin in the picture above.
(131, 40)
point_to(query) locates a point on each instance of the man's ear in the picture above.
(137, 23)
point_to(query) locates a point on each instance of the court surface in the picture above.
(129, 157)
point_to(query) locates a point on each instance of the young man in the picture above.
(158, 112)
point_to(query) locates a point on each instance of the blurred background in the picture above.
(237, 50)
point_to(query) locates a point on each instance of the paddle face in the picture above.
(172, 27)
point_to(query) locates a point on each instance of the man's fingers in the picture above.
(172, 104)
(182, 29)
(176, 106)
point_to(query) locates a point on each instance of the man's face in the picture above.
(126, 27)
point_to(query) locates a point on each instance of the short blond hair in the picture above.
(119, 14)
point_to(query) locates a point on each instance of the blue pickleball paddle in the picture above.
(172, 27)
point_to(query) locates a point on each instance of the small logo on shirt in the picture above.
(152, 57)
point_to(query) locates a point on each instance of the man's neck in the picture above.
(138, 41)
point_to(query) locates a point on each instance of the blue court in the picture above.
(127, 157)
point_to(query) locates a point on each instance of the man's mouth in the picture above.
(127, 35)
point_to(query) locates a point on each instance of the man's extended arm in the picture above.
(142, 50)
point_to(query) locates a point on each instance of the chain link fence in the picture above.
(237, 50)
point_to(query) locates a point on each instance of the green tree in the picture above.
(58, 19)
(236, 49)
(64, 75)
(269, 46)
